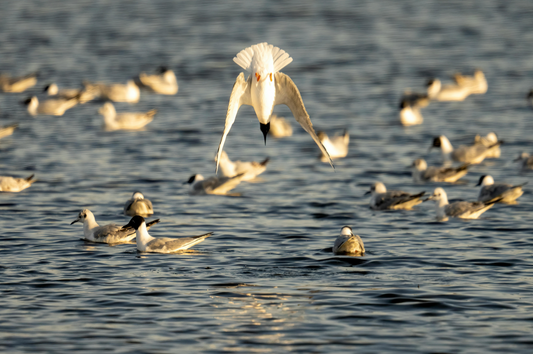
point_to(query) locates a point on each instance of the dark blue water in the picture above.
(265, 281)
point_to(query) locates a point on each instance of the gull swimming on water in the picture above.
(265, 88)
(213, 185)
(17, 84)
(383, 200)
(348, 243)
(125, 120)
(110, 233)
(473, 154)
(129, 92)
(12, 184)
(137, 205)
(477, 83)
(250, 170)
(463, 210)
(422, 173)
(490, 190)
(437, 92)
(52, 107)
(337, 146)
(164, 83)
(410, 108)
(7, 130)
(147, 243)
(279, 127)
(527, 161)
(489, 141)
(84, 95)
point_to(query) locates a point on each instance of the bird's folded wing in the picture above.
(287, 93)
(239, 95)
(227, 184)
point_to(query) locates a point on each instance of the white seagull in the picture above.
(52, 107)
(265, 88)
(490, 190)
(124, 120)
(337, 146)
(250, 170)
(437, 92)
(489, 141)
(472, 154)
(17, 84)
(137, 205)
(147, 243)
(410, 108)
(383, 200)
(422, 173)
(348, 243)
(110, 233)
(7, 130)
(279, 127)
(84, 95)
(526, 159)
(12, 184)
(164, 83)
(463, 210)
(213, 185)
(128, 92)
(477, 83)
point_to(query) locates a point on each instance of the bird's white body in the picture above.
(422, 173)
(250, 169)
(477, 83)
(382, 199)
(411, 115)
(490, 190)
(17, 84)
(489, 141)
(83, 95)
(472, 154)
(463, 210)
(264, 88)
(348, 243)
(128, 92)
(213, 185)
(337, 146)
(125, 120)
(53, 107)
(438, 92)
(7, 130)
(164, 83)
(14, 185)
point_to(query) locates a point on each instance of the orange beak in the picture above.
(270, 77)
(258, 76)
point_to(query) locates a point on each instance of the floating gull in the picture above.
(17, 84)
(490, 190)
(527, 161)
(279, 127)
(337, 147)
(422, 173)
(383, 200)
(137, 205)
(249, 169)
(125, 120)
(348, 243)
(477, 84)
(489, 141)
(463, 210)
(438, 92)
(52, 107)
(116, 92)
(110, 233)
(7, 130)
(473, 154)
(213, 185)
(267, 88)
(12, 184)
(83, 95)
(147, 243)
(164, 83)
(410, 108)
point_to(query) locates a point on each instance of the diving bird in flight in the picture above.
(265, 88)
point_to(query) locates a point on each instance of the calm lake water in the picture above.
(266, 281)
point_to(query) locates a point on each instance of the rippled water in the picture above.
(265, 281)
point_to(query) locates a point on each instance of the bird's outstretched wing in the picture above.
(287, 93)
(239, 95)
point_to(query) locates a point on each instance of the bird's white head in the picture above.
(485, 180)
(346, 231)
(439, 196)
(137, 196)
(85, 214)
(420, 165)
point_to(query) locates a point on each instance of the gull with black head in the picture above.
(265, 88)
(147, 243)
(472, 154)
(490, 190)
(214, 185)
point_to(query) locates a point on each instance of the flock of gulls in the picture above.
(264, 86)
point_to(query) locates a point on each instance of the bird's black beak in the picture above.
(265, 128)
(368, 192)
(75, 221)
